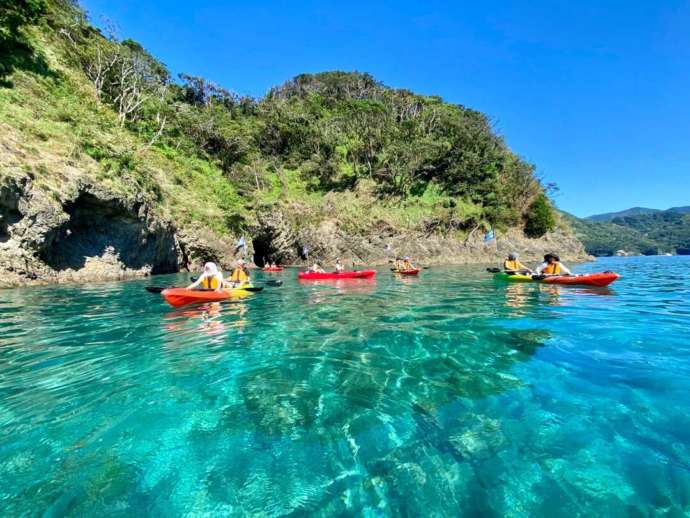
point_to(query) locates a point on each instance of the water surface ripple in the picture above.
(440, 395)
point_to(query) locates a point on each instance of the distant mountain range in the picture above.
(638, 230)
(635, 211)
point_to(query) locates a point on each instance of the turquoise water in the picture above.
(443, 395)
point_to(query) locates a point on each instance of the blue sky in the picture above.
(595, 93)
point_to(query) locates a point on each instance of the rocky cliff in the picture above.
(88, 233)
(279, 237)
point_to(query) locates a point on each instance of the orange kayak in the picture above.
(589, 279)
(177, 297)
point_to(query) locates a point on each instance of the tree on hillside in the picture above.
(123, 74)
(17, 13)
(15, 50)
(540, 218)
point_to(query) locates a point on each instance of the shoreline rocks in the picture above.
(90, 234)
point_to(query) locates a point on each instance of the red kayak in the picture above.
(276, 269)
(177, 297)
(414, 271)
(589, 279)
(314, 276)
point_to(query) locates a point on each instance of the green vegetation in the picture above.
(335, 144)
(540, 218)
(645, 233)
(15, 50)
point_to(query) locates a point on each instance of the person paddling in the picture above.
(240, 275)
(552, 266)
(513, 265)
(210, 279)
(397, 265)
(407, 265)
(339, 266)
(271, 266)
(316, 268)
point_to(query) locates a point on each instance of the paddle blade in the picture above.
(274, 283)
(154, 289)
(254, 288)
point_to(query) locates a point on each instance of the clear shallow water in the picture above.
(443, 395)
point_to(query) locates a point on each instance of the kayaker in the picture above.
(240, 275)
(513, 265)
(397, 265)
(552, 266)
(339, 266)
(316, 268)
(210, 279)
(407, 265)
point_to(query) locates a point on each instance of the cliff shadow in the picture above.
(266, 249)
(98, 227)
(18, 54)
(9, 210)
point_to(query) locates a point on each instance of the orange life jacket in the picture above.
(552, 269)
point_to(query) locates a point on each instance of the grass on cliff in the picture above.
(53, 129)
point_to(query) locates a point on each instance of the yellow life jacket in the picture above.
(209, 283)
(552, 269)
(239, 275)
(512, 265)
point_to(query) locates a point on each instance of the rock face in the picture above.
(87, 233)
(276, 240)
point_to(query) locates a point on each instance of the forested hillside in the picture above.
(88, 116)
(648, 233)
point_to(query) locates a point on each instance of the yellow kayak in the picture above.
(514, 277)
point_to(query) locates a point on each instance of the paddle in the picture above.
(155, 289)
(541, 277)
(158, 289)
